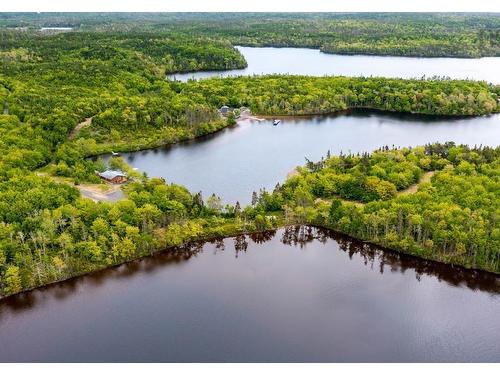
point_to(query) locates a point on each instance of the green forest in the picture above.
(52, 82)
(452, 217)
(400, 34)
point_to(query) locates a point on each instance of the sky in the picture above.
(250, 5)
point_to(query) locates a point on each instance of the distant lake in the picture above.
(252, 155)
(295, 295)
(303, 61)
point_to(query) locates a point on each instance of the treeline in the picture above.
(402, 34)
(429, 35)
(298, 95)
(49, 233)
(180, 111)
(50, 84)
(171, 52)
(453, 218)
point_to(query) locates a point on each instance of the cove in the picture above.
(292, 295)
(310, 62)
(252, 155)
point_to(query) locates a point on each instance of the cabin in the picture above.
(115, 177)
(224, 110)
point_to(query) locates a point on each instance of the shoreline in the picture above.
(367, 54)
(138, 258)
(371, 109)
(246, 233)
(249, 116)
(263, 117)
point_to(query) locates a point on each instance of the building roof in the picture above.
(109, 174)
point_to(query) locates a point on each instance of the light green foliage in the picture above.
(459, 35)
(402, 34)
(51, 83)
(454, 218)
(11, 280)
(300, 95)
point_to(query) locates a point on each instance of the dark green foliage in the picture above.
(50, 84)
(298, 95)
(452, 218)
(402, 34)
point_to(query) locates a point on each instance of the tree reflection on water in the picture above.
(374, 257)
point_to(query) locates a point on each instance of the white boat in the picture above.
(115, 153)
(276, 122)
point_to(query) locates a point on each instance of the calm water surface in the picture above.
(312, 62)
(298, 294)
(254, 155)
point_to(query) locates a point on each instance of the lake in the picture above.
(252, 155)
(303, 61)
(299, 294)
(296, 295)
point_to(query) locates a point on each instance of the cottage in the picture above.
(224, 110)
(115, 177)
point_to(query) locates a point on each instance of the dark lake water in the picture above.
(295, 295)
(268, 60)
(298, 294)
(253, 155)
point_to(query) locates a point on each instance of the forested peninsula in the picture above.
(115, 83)
(397, 34)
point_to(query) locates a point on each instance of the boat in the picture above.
(115, 153)
(276, 122)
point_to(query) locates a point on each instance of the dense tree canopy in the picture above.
(171, 52)
(402, 34)
(452, 218)
(64, 97)
(298, 95)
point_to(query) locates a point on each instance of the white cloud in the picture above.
(252, 5)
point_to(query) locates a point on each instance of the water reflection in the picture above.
(375, 258)
(226, 163)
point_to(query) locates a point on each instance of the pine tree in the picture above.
(255, 199)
